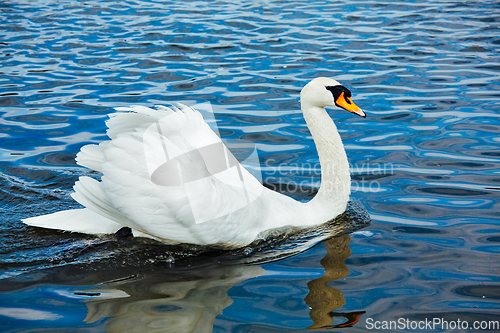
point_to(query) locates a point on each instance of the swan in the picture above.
(166, 175)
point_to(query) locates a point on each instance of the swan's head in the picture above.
(324, 91)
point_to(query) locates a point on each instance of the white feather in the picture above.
(76, 220)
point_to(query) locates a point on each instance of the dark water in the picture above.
(425, 162)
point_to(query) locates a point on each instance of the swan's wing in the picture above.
(168, 175)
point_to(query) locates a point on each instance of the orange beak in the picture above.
(346, 104)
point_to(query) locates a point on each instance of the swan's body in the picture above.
(159, 179)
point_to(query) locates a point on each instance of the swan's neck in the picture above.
(335, 186)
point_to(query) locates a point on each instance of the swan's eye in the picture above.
(337, 90)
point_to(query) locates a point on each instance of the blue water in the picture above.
(425, 162)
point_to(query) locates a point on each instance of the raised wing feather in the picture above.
(168, 175)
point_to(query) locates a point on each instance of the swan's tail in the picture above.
(75, 220)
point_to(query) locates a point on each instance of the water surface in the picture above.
(424, 162)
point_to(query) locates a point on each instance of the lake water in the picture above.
(425, 162)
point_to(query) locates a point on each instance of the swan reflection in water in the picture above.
(190, 303)
(324, 300)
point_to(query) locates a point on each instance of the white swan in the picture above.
(168, 176)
